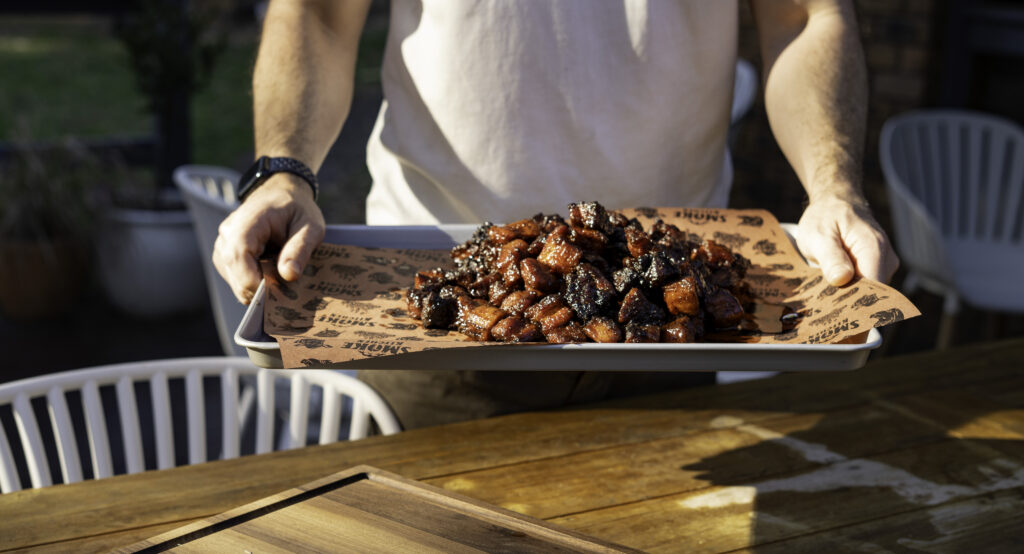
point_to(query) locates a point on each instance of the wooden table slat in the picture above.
(620, 469)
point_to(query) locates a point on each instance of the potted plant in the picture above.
(149, 260)
(46, 225)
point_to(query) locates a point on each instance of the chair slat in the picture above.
(360, 425)
(196, 417)
(1012, 198)
(956, 178)
(230, 434)
(993, 184)
(330, 416)
(96, 425)
(264, 412)
(31, 442)
(298, 416)
(64, 435)
(162, 421)
(9, 481)
(131, 435)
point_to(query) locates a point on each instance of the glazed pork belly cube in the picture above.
(603, 329)
(590, 215)
(516, 329)
(642, 332)
(537, 277)
(725, 310)
(477, 323)
(570, 332)
(559, 254)
(681, 330)
(636, 308)
(681, 297)
(508, 260)
(517, 301)
(549, 312)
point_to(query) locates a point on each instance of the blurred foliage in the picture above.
(50, 192)
(172, 45)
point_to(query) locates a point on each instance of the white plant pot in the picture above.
(149, 263)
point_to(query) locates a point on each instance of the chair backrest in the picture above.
(744, 90)
(952, 174)
(107, 397)
(210, 195)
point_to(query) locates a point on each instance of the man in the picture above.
(498, 110)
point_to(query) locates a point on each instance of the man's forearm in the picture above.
(816, 92)
(303, 80)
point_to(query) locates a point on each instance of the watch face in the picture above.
(252, 177)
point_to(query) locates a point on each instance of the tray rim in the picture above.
(268, 353)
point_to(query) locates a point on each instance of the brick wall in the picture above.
(899, 38)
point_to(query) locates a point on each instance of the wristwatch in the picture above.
(266, 166)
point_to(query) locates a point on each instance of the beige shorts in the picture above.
(422, 398)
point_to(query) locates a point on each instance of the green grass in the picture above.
(68, 75)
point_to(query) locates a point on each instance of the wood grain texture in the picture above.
(924, 439)
(364, 509)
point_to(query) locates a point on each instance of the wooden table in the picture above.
(922, 452)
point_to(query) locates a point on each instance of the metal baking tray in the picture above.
(264, 351)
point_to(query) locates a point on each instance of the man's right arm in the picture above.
(302, 91)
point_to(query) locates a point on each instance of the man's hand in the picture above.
(844, 239)
(280, 212)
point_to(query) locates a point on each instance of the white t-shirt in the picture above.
(498, 110)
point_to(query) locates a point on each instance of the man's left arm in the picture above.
(816, 99)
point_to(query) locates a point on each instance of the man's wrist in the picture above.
(266, 167)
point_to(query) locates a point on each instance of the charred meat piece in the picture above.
(517, 301)
(681, 297)
(571, 332)
(603, 329)
(560, 255)
(537, 277)
(725, 311)
(643, 332)
(516, 329)
(498, 291)
(658, 270)
(478, 322)
(680, 329)
(589, 240)
(549, 312)
(714, 254)
(597, 277)
(433, 276)
(637, 308)
(417, 295)
(525, 229)
(589, 293)
(625, 279)
(590, 215)
(638, 242)
(438, 312)
(481, 288)
(508, 260)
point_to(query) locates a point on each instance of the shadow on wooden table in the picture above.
(913, 453)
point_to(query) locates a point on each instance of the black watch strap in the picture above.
(266, 166)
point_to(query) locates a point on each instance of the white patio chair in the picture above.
(168, 381)
(209, 193)
(956, 184)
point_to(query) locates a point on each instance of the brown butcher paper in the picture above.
(350, 302)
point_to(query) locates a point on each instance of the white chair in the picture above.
(106, 390)
(209, 193)
(744, 93)
(956, 185)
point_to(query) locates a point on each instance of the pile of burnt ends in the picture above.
(597, 277)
